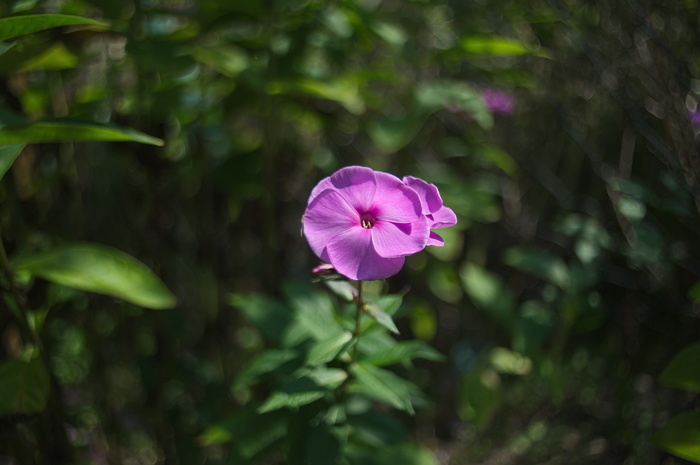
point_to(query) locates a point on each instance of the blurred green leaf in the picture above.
(314, 311)
(681, 436)
(345, 91)
(509, 362)
(489, 293)
(266, 363)
(492, 46)
(24, 385)
(4, 47)
(57, 56)
(380, 316)
(683, 370)
(403, 351)
(8, 155)
(342, 289)
(540, 263)
(100, 269)
(453, 95)
(16, 26)
(68, 129)
(381, 385)
(228, 60)
(480, 396)
(271, 316)
(694, 292)
(323, 445)
(532, 328)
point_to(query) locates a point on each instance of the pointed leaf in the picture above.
(100, 269)
(16, 26)
(24, 386)
(492, 46)
(382, 385)
(326, 350)
(380, 316)
(681, 436)
(8, 155)
(267, 362)
(683, 371)
(69, 129)
(404, 351)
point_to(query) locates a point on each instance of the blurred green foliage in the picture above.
(188, 135)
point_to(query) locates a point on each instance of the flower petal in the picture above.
(435, 239)
(352, 255)
(394, 201)
(444, 218)
(400, 239)
(322, 185)
(328, 215)
(428, 193)
(357, 184)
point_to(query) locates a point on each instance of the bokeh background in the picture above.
(561, 132)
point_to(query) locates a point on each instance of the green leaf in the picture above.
(228, 60)
(342, 289)
(541, 263)
(382, 385)
(380, 316)
(681, 436)
(24, 386)
(509, 362)
(16, 26)
(310, 387)
(8, 155)
(267, 362)
(492, 46)
(269, 315)
(69, 129)
(100, 269)
(403, 351)
(683, 371)
(327, 349)
(480, 396)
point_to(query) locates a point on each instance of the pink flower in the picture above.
(497, 101)
(365, 223)
(438, 215)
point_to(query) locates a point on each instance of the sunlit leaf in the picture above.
(100, 269)
(68, 129)
(681, 436)
(492, 46)
(8, 155)
(56, 56)
(509, 362)
(381, 385)
(683, 370)
(16, 26)
(24, 386)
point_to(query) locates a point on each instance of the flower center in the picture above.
(367, 221)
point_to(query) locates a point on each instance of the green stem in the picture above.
(358, 314)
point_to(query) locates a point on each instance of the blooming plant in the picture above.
(329, 369)
(365, 222)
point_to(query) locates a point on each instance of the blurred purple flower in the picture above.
(365, 223)
(695, 117)
(438, 215)
(497, 101)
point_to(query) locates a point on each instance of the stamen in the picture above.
(367, 224)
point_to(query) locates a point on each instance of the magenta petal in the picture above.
(428, 193)
(328, 215)
(394, 201)
(444, 218)
(435, 239)
(347, 250)
(357, 184)
(400, 239)
(353, 256)
(374, 267)
(322, 185)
